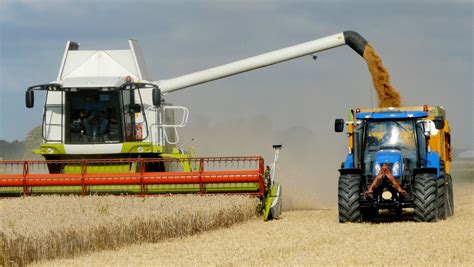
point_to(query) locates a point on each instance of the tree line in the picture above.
(18, 150)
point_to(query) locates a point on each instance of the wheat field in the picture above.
(97, 231)
(46, 227)
(313, 237)
(309, 237)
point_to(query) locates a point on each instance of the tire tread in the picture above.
(425, 191)
(348, 198)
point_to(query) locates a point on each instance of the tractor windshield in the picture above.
(390, 135)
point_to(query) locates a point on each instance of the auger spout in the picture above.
(355, 41)
(351, 38)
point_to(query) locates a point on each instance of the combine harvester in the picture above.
(398, 158)
(108, 130)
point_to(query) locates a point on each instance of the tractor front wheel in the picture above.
(425, 191)
(348, 198)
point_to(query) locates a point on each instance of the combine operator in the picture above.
(96, 120)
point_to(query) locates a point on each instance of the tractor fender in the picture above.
(349, 162)
(425, 170)
(433, 160)
(345, 171)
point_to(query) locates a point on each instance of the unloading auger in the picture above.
(107, 129)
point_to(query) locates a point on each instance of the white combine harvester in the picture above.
(107, 129)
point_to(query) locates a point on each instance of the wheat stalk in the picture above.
(47, 227)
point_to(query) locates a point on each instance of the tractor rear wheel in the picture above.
(425, 198)
(348, 198)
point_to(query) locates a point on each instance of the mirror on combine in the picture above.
(29, 99)
(439, 122)
(156, 96)
(339, 125)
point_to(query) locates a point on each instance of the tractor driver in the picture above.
(95, 121)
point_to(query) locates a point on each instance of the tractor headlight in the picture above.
(387, 195)
(396, 169)
(377, 168)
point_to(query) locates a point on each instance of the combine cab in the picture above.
(399, 158)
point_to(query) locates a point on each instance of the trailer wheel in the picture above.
(425, 201)
(348, 198)
(442, 198)
(450, 197)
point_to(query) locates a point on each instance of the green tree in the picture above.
(32, 141)
(11, 150)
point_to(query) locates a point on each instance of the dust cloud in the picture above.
(387, 95)
(307, 167)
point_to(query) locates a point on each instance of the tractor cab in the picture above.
(397, 139)
(396, 143)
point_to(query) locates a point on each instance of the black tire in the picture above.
(450, 196)
(442, 168)
(348, 198)
(425, 198)
(442, 198)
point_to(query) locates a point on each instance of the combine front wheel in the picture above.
(348, 198)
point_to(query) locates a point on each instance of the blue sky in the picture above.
(426, 45)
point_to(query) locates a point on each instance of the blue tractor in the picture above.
(398, 161)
